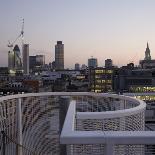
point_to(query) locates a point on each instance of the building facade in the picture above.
(11, 62)
(83, 66)
(108, 63)
(59, 56)
(77, 66)
(92, 63)
(32, 62)
(101, 80)
(134, 80)
(26, 58)
(18, 61)
(40, 60)
(14, 60)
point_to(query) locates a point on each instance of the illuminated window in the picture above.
(98, 81)
(97, 91)
(109, 71)
(99, 71)
(109, 81)
(97, 86)
(97, 76)
(103, 81)
(142, 89)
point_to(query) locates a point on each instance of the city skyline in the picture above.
(104, 29)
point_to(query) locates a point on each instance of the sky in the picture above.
(115, 29)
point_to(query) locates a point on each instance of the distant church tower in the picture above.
(147, 53)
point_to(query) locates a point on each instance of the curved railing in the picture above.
(34, 121)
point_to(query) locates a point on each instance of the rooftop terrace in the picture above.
(68, 123)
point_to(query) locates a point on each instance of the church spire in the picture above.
(147, 53)
(147, 45)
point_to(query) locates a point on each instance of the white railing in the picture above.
(105, 142)
(40, 118)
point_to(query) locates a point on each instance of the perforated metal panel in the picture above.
(41, 122)
(87, 149)
(40, 118)
(131, 122)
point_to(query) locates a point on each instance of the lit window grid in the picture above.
(101, 71)
(141, 89)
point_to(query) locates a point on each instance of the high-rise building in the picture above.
(36, 62)
(32, 62)
(40, 60)
(14, 60)
(17, 57)
(92, 63)
(11, 61)
(26, 58)
(59, 55)
(108, 63)
(77, 66)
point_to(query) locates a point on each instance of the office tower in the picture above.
(37, 61)
(92, 63)
(147, 53)
(77, 66)
(17, 58)
(59, 55)
(11, 61)
(26, 58)
(32, 62)
(40, 60)
(14, 60)
(108, 63)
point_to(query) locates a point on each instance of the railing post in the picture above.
(109, 149)
(19, 127)
(3, 142)
(64, 104)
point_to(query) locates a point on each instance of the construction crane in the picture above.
(10, 45)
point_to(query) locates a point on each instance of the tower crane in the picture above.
(11, 44)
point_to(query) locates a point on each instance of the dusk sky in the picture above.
(116, 29)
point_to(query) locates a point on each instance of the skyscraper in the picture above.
(92, 63)
(17, 58)
(59, 56)
(26, 58)
(11, 61)
(14, 60)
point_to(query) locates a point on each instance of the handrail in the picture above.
(124, 112)
(71, 136)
